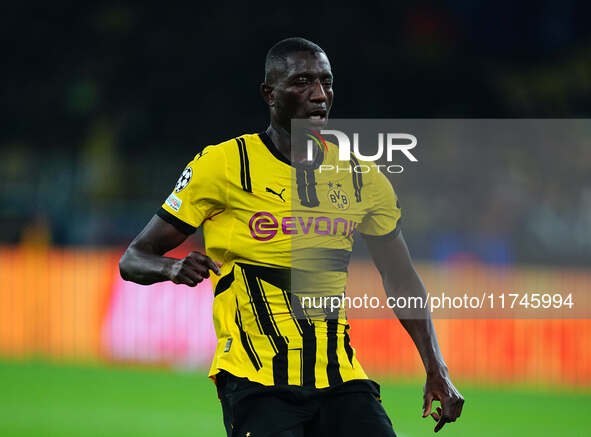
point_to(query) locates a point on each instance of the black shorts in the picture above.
(254, 410)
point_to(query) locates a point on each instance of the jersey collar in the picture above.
(277, 154)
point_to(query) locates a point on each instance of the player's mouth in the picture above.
(317, 116)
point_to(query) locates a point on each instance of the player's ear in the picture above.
(267, 93)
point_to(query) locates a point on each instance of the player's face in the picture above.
(303, 90)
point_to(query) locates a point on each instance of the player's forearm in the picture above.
(143, 267)
(424, 337)
(417, 321)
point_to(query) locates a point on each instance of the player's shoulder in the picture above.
(225, 150)
(231, 146)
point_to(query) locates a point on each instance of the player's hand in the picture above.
(439, 387)
(192, 269)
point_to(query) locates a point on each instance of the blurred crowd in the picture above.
(104, 104)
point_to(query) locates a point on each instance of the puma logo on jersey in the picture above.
(280, 195)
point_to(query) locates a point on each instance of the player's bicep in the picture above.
(158, 237)
(390, 254)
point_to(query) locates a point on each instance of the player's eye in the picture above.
(302, 81)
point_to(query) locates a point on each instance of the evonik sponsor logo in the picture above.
(264, 226)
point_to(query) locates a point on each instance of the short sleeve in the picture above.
(199, 192)
(383, 215)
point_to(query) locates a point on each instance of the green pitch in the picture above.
(39, 399)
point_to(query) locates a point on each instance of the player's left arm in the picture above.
(392, 258)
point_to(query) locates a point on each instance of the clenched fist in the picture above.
(192, 269)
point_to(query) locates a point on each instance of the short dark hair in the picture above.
(280, 51)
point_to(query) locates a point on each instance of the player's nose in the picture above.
(318, 93)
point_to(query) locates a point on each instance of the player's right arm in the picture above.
(143, 261)
(199, 194)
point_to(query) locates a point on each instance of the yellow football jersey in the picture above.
(276, 228)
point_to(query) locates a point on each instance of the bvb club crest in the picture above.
(337, 196)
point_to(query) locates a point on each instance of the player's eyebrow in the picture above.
(310, 75)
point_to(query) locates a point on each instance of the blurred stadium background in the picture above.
(104, 104)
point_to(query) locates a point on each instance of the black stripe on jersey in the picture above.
(348, 347)
(306, 184)
(306, 326)
(275, 328)
(224, 283)
(332, 368)
(242, 174)
(246, 342)
(244, 166)
(301, 183)
(287, 298)
(311, 187)
(251, 301)
(278, 277)
(357, 178)
(269, 329)
(281, 278)
(185, 228)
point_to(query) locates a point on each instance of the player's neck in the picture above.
(281, 139)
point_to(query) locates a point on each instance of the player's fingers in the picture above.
(436, 415)
(442, 421)
(188, 277)
(196, 264)
(455, 409)
(195, 273)
(195, 258)
(180, 279)
(200, 269)
(212, 265)
(428, 399)
(451, 407)
(206, 261)
(460, 407)
(447, 407)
